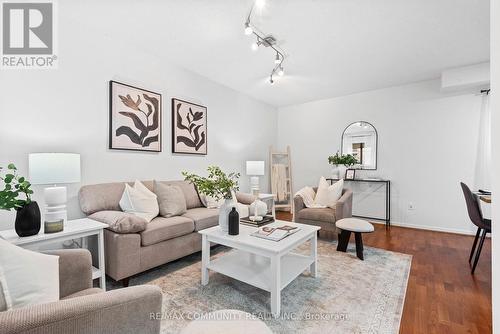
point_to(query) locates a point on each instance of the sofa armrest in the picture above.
(298, 204)
(75, 270)
(245, 198)
(343, 208)
(129, 310)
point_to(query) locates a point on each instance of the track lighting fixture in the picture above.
(277, 60)
(260, 3)
(267, 41)
(248, 29)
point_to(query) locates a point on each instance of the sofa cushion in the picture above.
(120, 222)
(318, 214)
(190, 193)
(139, 201)
(161, 229)
(170, 199)
(203, 217)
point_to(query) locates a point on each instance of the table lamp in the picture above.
(54, 169)
(255, 169)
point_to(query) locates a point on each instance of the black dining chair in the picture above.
(477, 219)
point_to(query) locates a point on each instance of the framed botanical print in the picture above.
(189, 127)
(135, 118)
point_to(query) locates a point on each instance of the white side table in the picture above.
(73, 229)
(269, 200)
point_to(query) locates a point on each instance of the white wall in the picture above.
(427, 145)
(66, 110)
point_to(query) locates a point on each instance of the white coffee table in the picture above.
(265, 264)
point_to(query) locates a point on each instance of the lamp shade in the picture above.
(255, 167)
(54, 168)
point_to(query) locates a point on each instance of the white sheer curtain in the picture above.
(483, 162)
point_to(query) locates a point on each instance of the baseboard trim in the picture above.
(428, 228)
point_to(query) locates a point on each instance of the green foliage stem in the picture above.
(14, 186)
(347, 160)
(217, 184)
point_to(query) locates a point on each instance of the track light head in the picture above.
(255, 46)
(271, 81)
(248, 29)
(260, 3)
(281, 71)
(277, 60)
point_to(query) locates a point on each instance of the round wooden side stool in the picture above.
(356, 226)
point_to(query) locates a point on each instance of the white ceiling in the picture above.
(334, 47)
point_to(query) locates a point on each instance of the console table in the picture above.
(387, 183)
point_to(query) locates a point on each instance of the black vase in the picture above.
(28, 220)
(234, 222)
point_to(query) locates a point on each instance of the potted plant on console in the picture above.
(338, 160)
(27, 211)
(217, 185)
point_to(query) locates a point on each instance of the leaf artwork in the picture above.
(151, 116)
(195, 139)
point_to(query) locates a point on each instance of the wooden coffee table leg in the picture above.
(343, 240)
(359, 245)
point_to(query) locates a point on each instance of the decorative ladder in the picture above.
(276, 157)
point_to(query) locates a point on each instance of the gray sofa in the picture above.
(163, 239)
(324, 217)
(83, 309)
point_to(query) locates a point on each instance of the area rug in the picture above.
(349, 296)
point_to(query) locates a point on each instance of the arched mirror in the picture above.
(360, 140)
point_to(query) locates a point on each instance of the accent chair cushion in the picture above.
(307, 194)
(245, 198)
(140, 201)
(161, 229)
(318, 214)
(171, 199)
(120, 222)
(327, 195)
(203, 217)
(27, 277)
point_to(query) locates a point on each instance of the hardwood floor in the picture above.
(442, 296)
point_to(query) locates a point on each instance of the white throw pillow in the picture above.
(328, 195)
(140, 201)
(307, 194)
(210, 202)
(26, 277)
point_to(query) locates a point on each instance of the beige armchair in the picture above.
(83, 309)
(323, 217)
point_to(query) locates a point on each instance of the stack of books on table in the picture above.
(265, 220)
(275, 233)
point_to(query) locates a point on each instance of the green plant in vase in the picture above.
(16, 194)
(217, 185)
(347, 160)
